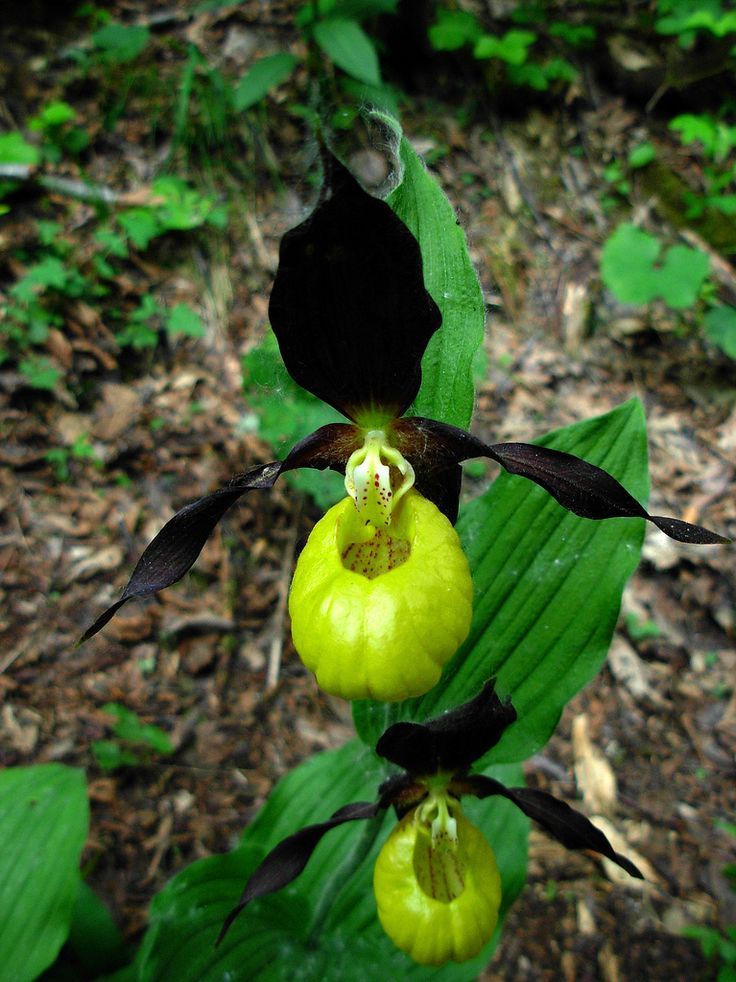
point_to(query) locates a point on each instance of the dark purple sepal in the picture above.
(348, 306)
(450, 742)
(568, 826)
(586, 490)
(287, 860)
(173, 551)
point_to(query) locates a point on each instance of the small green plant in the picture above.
(719, 324)
(719, 947)
(636, 271)
(521, 51)
(59, 457)
(61, 270)
(133, 742)
(716, 139)
(686, 17)
(641, 630)
(60, 137)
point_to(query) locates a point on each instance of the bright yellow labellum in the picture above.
(437, 886)
(377, 611)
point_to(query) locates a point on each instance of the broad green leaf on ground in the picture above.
(720, 329)
(630, 271)
(547, 590)
(276, 937)
(264, 75)
(453, 29)
(642, 154)
(181, 319)
(44, 816)
(513, 47)
(285, 413)
(345, 42)
(120, 43)
(15, 150)
(447, 392)
(40, 372)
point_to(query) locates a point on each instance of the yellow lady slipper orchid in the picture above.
(437, 886)
(436, 882)
(382, 595)
(353, 319)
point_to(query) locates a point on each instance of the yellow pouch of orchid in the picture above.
(377, 612)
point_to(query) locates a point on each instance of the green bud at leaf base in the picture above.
(377, 611)
(437, 886)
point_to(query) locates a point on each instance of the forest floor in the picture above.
(211, 662)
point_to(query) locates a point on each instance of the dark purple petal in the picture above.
(287, 860)
(429, 444)
(452, 741)
(329, 446)
(348, 305)
(441, 486)
(582, 488)
(174, 550)
(568, 826)
(587, 490)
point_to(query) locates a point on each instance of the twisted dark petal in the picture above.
(450, 742)
(287, 860)
(348, 305)
(435, 450)
(174, 550)
(582, 488)
(329, 446)
(568, 826)
(587, 490)
(441, 486)
(428, 443)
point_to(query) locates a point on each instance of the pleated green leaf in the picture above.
(279, 937)
(44, 816)
(548, 589)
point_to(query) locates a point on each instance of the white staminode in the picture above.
(368, 478)
(435, 811)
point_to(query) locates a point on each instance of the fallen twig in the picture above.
(82, 190)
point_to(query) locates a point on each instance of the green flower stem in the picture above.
(342, 874)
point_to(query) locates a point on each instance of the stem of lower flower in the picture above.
(342, 874)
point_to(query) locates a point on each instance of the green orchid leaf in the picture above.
(547, 591)
(447, 392)
(44, 816)
(289, 929)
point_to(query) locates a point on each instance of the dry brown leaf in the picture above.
(593, 774)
